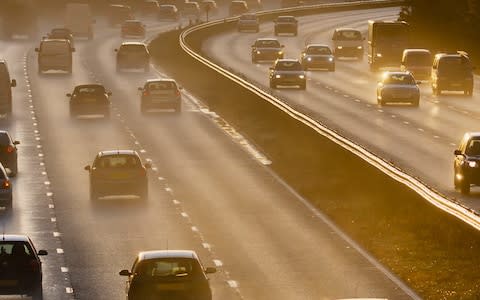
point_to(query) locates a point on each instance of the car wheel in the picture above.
(254, 61)
(273, 85)
(416, 102)
(37, 293)
(456, 183)
(303, 86)
(14, 170)
(465, 186)
(331, 69)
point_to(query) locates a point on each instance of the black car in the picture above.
(8, 152)
(160, 93)
(88, 99)
(266, 49)
(6, 191)
(133, 55)
(287, 72)
(466, 166)
(20, 267)
(168, 274)
(286, 24)
(118, 172)
(317, 56)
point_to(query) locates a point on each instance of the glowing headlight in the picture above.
(258, 52)
(280, 52)
(309, 58)
(379, 54)
(339, 47)
(472, 164)
(278, 76)
(330, 59)
(301, 76)
(359, 47)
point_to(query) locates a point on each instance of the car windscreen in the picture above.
(267, 44)
(392, 32)
(454, 64)
(97, 90)
(289, 66)
(168, 268)
(419, 59)
(55, 48)
(15, 249)
(60, 31)
(161, 86)
(120, 161)
(286, 19)
(133, 49)
(348, 35)
(403, 79)
(4, 139)
(473, 148)
(319, 51)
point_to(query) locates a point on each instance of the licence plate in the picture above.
(456, 84)
(8, 283)
(170, 286)
(119, 176)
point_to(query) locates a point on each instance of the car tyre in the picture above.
(14, 170)
(37, 293)
(303, 86)
(331, 69)
(416, 103)
(465, 186)
(273, 85)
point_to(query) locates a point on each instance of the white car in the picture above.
(398, 87)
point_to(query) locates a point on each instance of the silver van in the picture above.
(418, 62)
(6, 85)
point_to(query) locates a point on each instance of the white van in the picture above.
(418, 62)
(78, 18)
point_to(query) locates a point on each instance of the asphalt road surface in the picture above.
(207, 193)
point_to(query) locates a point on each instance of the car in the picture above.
(61, 33)
(466, 165)
(168, 12)
(348, 42)
(418, 62)
(237, 7)
(248, 22)
(191, 9)
(133, 28)
(79, 19)
(209, 5)
(6, 190)
(160, 93)
(55, 54)
(178, 3)
(266, 49)
(317, 56)
(8, 152)
(285, 24)
(254, 4)
(6, 84)
(133, 55)
(149, 7)
(118, 13)
(287, 72)
(20, 267)
(452, 71)
(118, 172)
(89, 99)
(168, 274)
(398, 87)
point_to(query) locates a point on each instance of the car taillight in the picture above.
(143, 172)
(6, 184)
(177, 93)
(146, 93)
(10, 149)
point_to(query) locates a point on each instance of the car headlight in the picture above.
(258, 52)
(379, 54)
(359, 47)
(309, 58)
(330, 59)
(339, 47)
(472, 164)
(280, 52)
(301, 76)
(278, 76)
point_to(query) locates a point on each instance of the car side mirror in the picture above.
(69, 95)
(116, 50)
(180, 87)
(16, 143)
(457, 152)
(88, 168)
(73, 49)
(210, 270)
(37, 50)
(124, 273)
(42, 252)
(109, 93)
(13, 83)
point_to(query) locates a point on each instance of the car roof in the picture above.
(14, 238)
(267, 39)
(119, 5)
(473, 134)
(55, 40)
(397, 73)
(90, 85)
(133, 43)
(161, 80)
(286, 16)
(346, 29)
(4, 132)
(318, 45)
(287, 60)
(132, 21)
(117, 152)
(145, 255)
(416, 50)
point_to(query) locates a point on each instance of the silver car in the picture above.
(398, 87)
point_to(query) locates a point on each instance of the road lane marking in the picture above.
(64, 269)
(56, 234)
(233, 284)
(206, 246)
(60, 251)
(184, 214)
(217, 263)
(194, 228)
(53, 220)
(69, 290)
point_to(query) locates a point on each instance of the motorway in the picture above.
(206, 193)
(420, 141)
